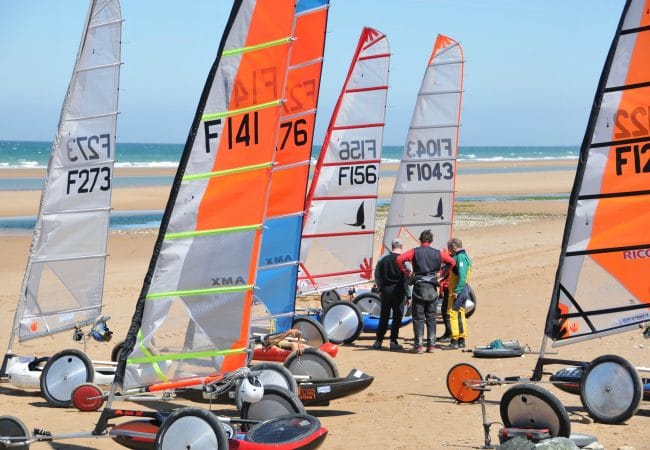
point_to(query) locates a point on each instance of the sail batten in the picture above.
(601, 285)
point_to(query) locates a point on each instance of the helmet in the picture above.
(251, 390)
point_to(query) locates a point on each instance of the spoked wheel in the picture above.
(470, 304)
(88, 397)
(14, 429)
(276, 402)
(343, 322)
(329, 297)
(191, 428)
(313, 331)
(315, 363)
(528, 405)
(62, 374)
(369, 303)
(271, 375)
(611, 389)
(457, 377)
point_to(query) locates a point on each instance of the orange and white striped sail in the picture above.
(424, 189)
(339, 226)
(602, 284)
(278, 267)
(195, 306)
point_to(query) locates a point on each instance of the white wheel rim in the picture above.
(609, 389)
(64, 375)
(340, 322)
(189, 433)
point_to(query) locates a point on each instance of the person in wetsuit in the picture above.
(458, 293)
(393, 290)
(426, 262)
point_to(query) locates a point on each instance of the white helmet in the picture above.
(251, 390)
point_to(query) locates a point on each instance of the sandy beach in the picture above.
(514, 247)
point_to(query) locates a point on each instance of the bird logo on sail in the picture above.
(361, 218)
(439, 212)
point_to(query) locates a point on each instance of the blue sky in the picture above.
(530, 74)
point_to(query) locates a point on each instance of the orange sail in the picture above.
(192, 319)
(602, 284)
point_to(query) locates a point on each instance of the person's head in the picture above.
(396, 245)
(454, 245)
(426, 236)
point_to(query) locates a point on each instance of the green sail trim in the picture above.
(253, 48)
(221, 173)
(234, 112)
(207, 291)
(147, 353)
(190, 234)
(189, 355)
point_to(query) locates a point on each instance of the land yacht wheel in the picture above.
(370, 303)
(191, 428)
(611, 389)
(276, 402)
(315, 363)
(329, 297)
(62, 374)
(528, 405)
(271, 374)
(470, 304)
(13, 429)
(88, 397)
(115, 353)
(457, 382)
(313, 332)
(343, 322)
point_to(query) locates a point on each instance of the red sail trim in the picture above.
(346, 197)
(351, 127)
(373, 88)
(379, 55)
(332, 274)
(347, 233)
(358, 161)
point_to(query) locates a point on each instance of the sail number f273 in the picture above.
(84, 181)
(89, 148)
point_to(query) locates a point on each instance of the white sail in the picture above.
(338, 230)
(64, 279)
(602, 283)
(424, 190)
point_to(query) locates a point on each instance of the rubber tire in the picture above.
(276, 402)
(313, 332)
(278, 371)
(90, 375)
(497, 352)
(315, 357)
(80, 397)
(472, 297)
(520, 393)
(466, 394)
(11, 426)
(117, 348)
(202, 414)
(329, 297)
(594, 370)
(369, 303)
(351, 337)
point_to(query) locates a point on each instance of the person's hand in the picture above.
(408, 301)
(455, 295)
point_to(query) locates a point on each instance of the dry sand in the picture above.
(514, 246)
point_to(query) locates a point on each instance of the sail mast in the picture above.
(64, 278)
(338, 229)
(601, 285)
(424, 189)
(194, 308)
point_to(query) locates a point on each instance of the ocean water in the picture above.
(34, 154)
